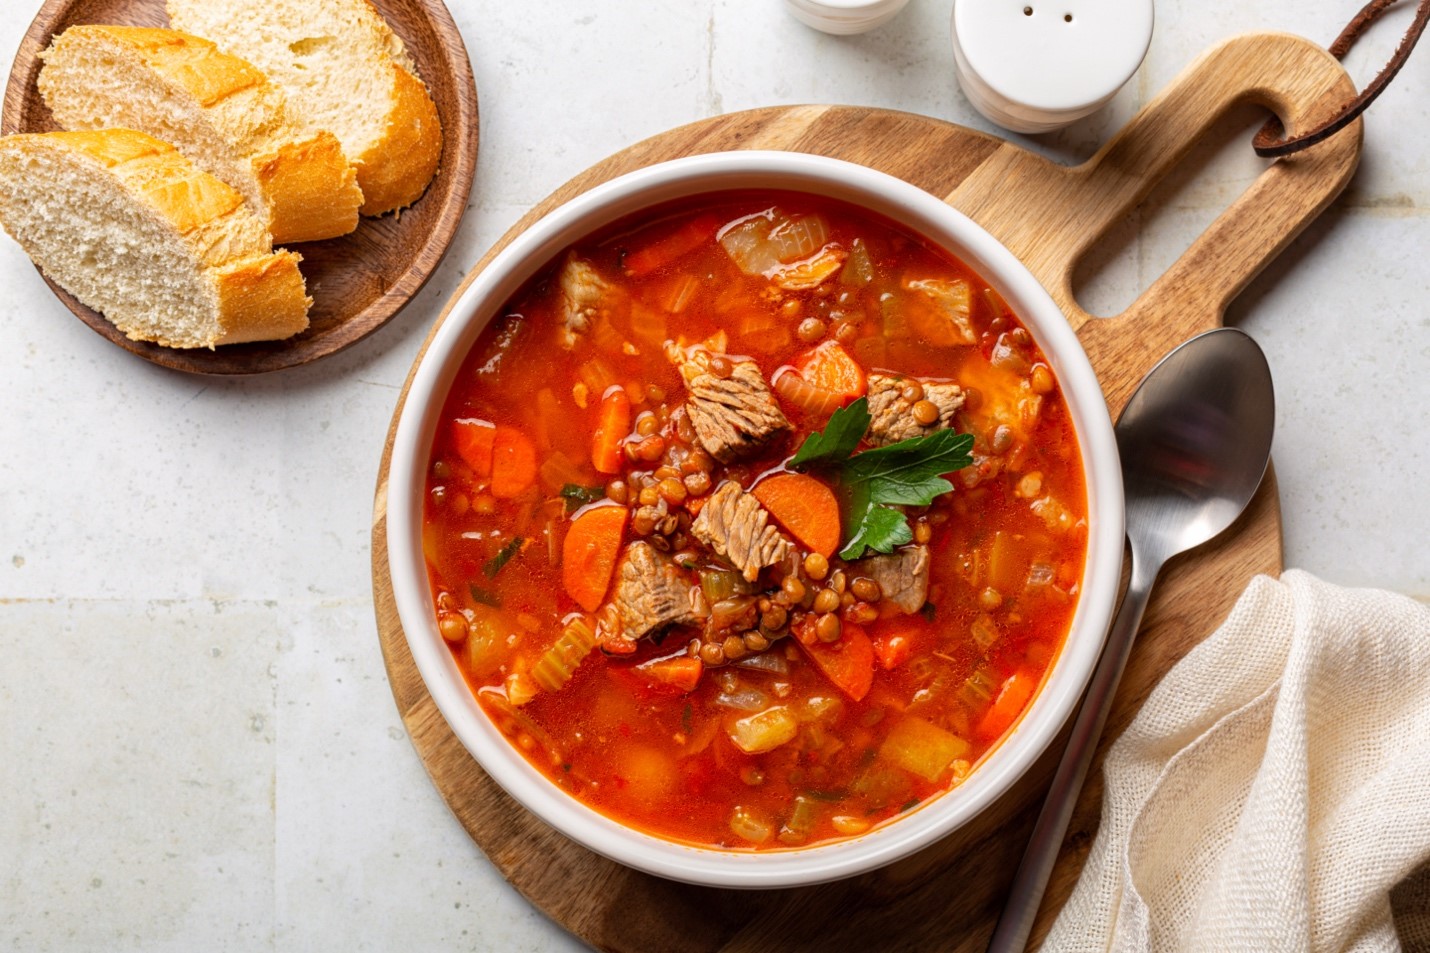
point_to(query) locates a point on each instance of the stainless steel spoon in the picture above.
(1194, 440)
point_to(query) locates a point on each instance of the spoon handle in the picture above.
(1011, 934)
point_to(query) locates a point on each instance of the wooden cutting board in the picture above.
(948, 896)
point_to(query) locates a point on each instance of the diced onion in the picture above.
(750, 826)
(745, 699)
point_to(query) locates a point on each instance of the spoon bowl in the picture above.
(1194, 440)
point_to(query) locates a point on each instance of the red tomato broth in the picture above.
(644, 751)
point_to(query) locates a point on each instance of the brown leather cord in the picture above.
(1268, 142)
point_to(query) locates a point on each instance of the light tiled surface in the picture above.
(198, 743)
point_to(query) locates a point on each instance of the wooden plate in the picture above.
(947, 896)
(359, 281)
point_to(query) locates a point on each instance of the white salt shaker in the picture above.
(1039, 65)
(844, 17)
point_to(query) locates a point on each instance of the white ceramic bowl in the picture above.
(916, 210)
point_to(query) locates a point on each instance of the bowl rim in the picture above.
(908, 206)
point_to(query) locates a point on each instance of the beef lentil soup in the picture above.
(756, 521)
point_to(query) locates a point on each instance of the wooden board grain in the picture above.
(948, 896)
(359, 281)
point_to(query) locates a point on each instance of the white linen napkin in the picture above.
(1274, 788)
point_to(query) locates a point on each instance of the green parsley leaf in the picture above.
(838, 439)
(577, 496)
(503, 556)
(910, 472)
(869, 484)
(875, 527)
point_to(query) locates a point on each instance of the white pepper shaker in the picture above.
(1039, 65)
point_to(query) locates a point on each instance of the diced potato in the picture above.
(922, 748)
(764, 730)
(649, 772)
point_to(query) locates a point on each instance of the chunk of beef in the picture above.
(650, 594)
(892, 415)
(584, 294)
(736, 526)
(902, 575)
(734, 414)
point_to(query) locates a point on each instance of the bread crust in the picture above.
(397, 170)
(258, 294)
(261, 299)
(308, 187)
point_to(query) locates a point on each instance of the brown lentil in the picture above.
(721, 366)
(838, 581)
(826, 601)
(828, 628)
(793, 588)
(811, 330)
(925, 412)
(452, 626)
(697, 484)
(648, 496)
(1041, 380)
(773, 618)
(816, 566)
(673, 490)
(755, 642)
(616, 491)
(734, 647)
(665, 471)
(846, 598)
(867, 590)
(790, 307)
(923, 532)
(712, 654)
(913, 392)
(650, 449)
(647, 424)
(1002, 439)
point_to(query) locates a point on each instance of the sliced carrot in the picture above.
(848, 663)
(681, 672)
(670, 246)
(513, 462)
(1009, 704)
(588, 554)
(474, 438)
(830, 368)
(792, 386)
(804, 506)
(613, 424)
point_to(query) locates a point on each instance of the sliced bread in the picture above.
(219, 111)
(134, 230)
(344, 70)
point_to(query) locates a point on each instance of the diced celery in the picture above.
(559, 663)
(718, 584)
(801, 820)
(765, 730)
(859, 269)
(922, 748)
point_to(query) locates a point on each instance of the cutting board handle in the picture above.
(1049, 215)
